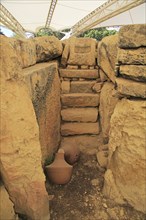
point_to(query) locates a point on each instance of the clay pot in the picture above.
(72, 153)
(59, 172)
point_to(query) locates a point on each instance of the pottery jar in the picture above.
(72, 153)
(59, 172)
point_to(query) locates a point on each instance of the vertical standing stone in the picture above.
(20, 159)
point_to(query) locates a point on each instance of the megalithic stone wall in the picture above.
(20, 157)
(125, 177)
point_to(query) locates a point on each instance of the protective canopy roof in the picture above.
(32, 14)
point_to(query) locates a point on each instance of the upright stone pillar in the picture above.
(20, 157)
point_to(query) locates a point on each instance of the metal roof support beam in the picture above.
(8, 20)
(50, 13)
(106, 11)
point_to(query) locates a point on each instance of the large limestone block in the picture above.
(106, 108)
(107, 55)
(132, 36)
(27, 52)
(82, 51)
(127, 152)
(80, 100)
(47, 48)
(87, 74)
(135, 72)
(79, 128)
(13, 68)
(80, 114)
(129, 88)
(44, 86)
(132, 56)
(87, 144)
(82, 86)
(20, 157)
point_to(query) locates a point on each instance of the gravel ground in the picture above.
(82, 198)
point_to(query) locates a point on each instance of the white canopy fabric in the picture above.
(32, 14)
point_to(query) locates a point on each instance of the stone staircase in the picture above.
(79, 106)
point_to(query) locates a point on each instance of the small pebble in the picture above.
(104, 205)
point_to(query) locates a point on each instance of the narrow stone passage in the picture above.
(82, 198)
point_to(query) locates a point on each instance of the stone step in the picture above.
(82, 86)
(86, 74)
(80, 114)
(86, 86)
(88, 144)
(74, 128)
(80, 100)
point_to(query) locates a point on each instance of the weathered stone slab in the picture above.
(87, 74)
(47, 48)
(27, 52)
(44, 86)
(80, 114)
(126, 173)
(20, 158)
(131, 88)
(87, 144)
(79, 128)
(131, 56)
(135, 72)
(106, 108)
(82, 86)
(132, 36)
(107, 55)
(80, 100)
(82, 51)
(65, 87)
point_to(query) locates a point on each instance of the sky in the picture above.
(33, 13)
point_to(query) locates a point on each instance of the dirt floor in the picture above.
(82, 198)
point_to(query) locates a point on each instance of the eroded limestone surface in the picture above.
(132, 36)
(127, 157)
(44, 88)
(79, 51)
(47, 48)
(107, 55)
(21, 157)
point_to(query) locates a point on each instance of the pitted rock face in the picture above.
(24, 49)
(47, 48)
(132, 56)
(20, 157)
(127, 156)
(10, 63)
(107, 55)
(79, 51)
(132, 36)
